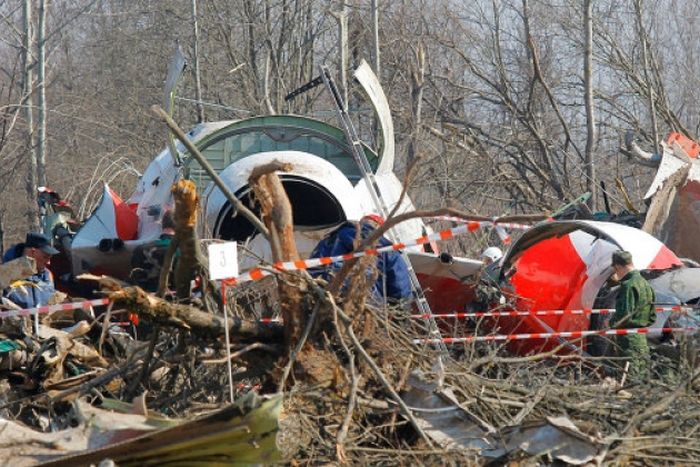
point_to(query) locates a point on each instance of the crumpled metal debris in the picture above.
(452, 426)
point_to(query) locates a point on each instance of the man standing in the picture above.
(634, 308)
(37, 289)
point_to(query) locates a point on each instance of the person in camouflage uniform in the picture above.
(634, 308)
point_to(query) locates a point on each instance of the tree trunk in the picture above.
(590, 109)
(27, 89)
(197, 79)
(41, 97)
(375, 39)
(159, 311)
(341, 17)
(641, 31)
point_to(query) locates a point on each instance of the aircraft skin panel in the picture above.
(445, 294)
(567, 270)
(391, 187)
(304, 165)
(646, 250)
(370, 83)
(596, 253)
(550, 276)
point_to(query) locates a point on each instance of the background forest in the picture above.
(513, 105)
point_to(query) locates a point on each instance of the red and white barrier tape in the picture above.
(50, 308)
(515, 313)
(483, 224)
(549, 335)
(258, 273)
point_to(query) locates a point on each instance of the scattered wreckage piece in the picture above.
(242, 433)
(674, 195)
(15, 270)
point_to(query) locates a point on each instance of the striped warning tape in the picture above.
(516, 313)
(258, 273)
(511, 314)
(483, 224)
(549, 335)
(50, 308)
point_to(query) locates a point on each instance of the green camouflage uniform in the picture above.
(634, 309)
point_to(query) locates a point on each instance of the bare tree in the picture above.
(590, 107)
(28, 63)
(195, 53)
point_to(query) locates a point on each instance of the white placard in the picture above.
(223, 260)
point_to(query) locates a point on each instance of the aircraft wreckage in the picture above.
(556, 265)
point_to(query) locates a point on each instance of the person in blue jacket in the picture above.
(393, 280)
(37, 289)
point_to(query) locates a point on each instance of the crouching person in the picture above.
(393, 282)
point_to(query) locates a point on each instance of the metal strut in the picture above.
(367, 173)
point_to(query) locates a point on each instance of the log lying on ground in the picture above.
(199, 322)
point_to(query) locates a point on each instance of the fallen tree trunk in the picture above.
(199, 322)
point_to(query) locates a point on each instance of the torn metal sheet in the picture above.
(556, 437)
(682, 283)
(675, 215)
(370, 83)
(443, 419)
(241, 434)
(452, 426)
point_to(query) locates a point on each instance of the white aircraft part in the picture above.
(430, 264)
(390, 188)
(304, 165)
(152, 194)
(672, 160)
(102, 223)
(596, 254)
(683, 283)
(370, 83)
(643, 247)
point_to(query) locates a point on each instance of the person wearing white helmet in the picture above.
(491, 255)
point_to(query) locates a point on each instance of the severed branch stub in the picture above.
(276, 212)
(185, 217)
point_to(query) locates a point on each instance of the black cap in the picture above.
(621, 258)
(40, 242)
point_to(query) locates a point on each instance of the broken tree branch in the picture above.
(197, 321)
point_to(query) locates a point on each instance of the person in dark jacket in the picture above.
(634, 308)
(393, 281)
(37, 289)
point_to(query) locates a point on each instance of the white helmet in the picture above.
(492, 253)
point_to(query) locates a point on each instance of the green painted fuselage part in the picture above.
(276, 133)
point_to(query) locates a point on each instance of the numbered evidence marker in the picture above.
(223, 260)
